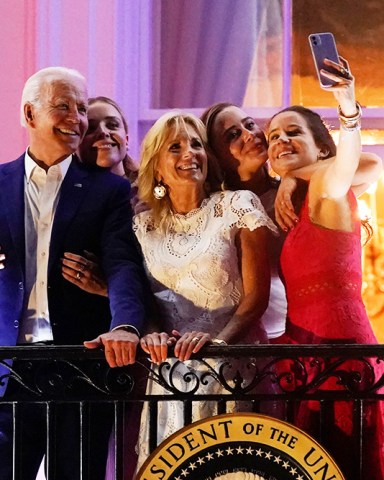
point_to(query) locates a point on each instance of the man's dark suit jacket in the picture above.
(94, 214)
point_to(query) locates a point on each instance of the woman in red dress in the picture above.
(321, 260)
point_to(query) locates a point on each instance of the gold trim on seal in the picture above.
(239, 446)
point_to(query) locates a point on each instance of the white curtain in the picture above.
(265, 80)
(207, 48)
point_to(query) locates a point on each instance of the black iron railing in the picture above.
(266, 378)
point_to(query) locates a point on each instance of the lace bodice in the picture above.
(193, 263)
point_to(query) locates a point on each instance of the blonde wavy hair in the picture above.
(173, 121)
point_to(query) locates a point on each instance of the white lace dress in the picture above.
(194, 273)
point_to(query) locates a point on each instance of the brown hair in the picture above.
(208, 118)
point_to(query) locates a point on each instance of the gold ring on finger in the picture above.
(78, 276)
(195, 339)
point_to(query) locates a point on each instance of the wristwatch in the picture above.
(217, 341)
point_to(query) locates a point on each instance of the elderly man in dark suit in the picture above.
(51, 204)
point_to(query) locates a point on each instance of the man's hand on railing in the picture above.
(119, 347)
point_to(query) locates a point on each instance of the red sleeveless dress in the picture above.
(323, 275)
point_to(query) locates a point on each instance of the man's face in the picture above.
(59, 121)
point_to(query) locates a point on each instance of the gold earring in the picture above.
(159, 191)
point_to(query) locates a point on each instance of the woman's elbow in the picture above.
(373, 166)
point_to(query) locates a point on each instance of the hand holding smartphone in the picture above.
(323, 46)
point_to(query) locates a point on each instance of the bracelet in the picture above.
(217, 341)
(350, 129)
(350, 124)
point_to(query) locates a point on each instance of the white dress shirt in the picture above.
(41, 196)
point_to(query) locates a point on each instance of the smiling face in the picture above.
(105, 142)
(57, 123)
(182, 160)
(291, 143)
(238, 142)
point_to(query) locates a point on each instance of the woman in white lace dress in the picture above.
(206, 255)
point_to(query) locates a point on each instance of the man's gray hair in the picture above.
(32, 87)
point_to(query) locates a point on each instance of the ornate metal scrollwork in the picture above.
(300, 375)
(50, 379)
(243, 372)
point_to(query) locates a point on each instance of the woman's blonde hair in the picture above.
(153, 142)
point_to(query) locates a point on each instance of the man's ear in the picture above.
(28, 113)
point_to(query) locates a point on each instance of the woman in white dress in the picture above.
(206, 255)
(241, 148)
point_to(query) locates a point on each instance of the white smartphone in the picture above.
(323, 46)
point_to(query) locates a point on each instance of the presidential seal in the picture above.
(240, 446)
